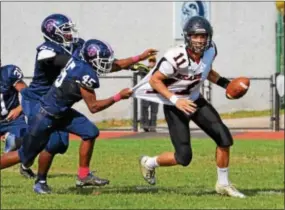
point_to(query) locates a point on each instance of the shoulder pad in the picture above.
(45, 54)
(51, 47)
(177, 56)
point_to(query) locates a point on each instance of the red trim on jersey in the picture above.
(191, 55)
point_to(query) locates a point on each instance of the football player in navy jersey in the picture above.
(60, 42)
(78, 80)
(52, 55)
(12, 121)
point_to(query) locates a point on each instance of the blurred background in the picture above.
(249, 37)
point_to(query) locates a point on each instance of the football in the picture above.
(237, 88)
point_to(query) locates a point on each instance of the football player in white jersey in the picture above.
(175, 82)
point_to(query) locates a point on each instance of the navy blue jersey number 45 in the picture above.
(86, 80)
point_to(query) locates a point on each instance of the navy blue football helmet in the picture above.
(197, 25)
(99, 54)
(60, 29)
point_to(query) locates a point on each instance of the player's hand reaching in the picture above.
(126, 93)
(14, 113)
(185, 105)
(139, 67)
(148, 53)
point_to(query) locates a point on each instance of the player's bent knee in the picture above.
(92, 134)
(224, 139)
(58, 143)
(184, 157)
(56, 149)
(95, 133)
(225, 144)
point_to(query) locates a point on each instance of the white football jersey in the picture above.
(184, 76)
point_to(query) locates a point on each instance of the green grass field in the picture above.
(257, 169)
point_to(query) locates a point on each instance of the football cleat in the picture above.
(229, 190)
(91, 180)
(147, 173)
(41, 187)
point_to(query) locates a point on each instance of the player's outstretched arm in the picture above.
(215, 78)
(95, 105)
(127, 62)
(14, 113)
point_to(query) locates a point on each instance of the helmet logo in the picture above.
(50, 25)
(92, 50)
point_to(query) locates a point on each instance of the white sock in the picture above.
(151, 162)
(23, 167)
(223, 176)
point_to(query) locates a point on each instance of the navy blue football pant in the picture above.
(42, 126)
(59, 140)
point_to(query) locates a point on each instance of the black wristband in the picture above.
(223, 82)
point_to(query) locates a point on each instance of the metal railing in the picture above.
(206, 90)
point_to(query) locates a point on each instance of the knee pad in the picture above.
(58, 143)
(56, 148)
(184, 156)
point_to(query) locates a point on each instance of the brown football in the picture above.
(237, 88)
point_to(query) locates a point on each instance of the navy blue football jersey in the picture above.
(9, 96)
(45, 73)
(66, 89)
